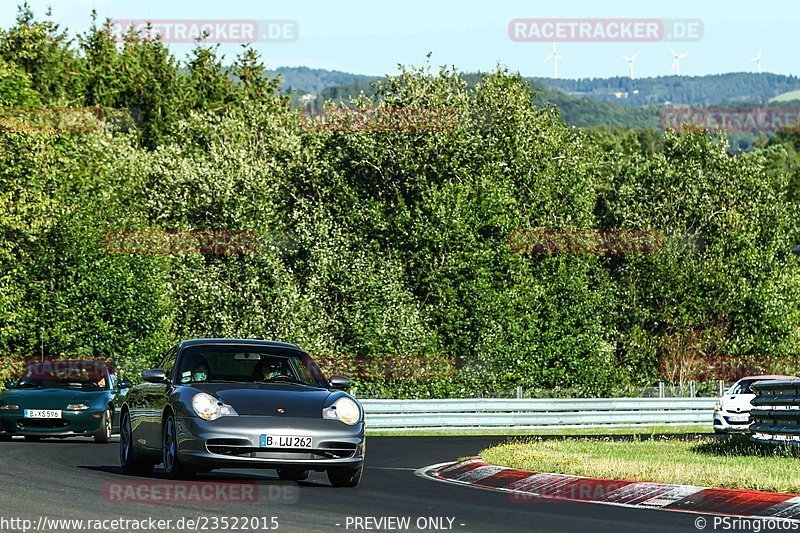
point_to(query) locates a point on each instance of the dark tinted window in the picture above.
(742, 387)
(168, 361)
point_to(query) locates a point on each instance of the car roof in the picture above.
(64, 361)
(242, 342)
(770, 376)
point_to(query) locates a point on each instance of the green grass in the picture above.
(734, 462)
(638, 430)
(787, 97)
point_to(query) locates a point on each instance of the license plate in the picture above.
(284, 441)
(42, 413)
(740, 418)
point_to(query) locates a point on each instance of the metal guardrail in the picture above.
(776, 413)
(478, 414)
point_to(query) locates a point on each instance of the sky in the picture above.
(372, 37)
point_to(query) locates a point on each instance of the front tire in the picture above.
(345, 477)
(130, 463)
(103, 435)
(172, 463)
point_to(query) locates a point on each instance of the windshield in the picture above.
(84, 375)
(248, 364)
(742, 387)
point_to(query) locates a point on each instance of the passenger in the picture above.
(268, 368)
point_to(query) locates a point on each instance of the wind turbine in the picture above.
(676, 62)
(556, 58)
(630, 61)
(757, 60)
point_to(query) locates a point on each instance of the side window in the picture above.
(168, 362)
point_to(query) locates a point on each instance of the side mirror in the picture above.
(123, 384)
(155, 376)
(10, 384)
(339, 382)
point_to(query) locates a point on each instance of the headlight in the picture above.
(209, 408)
(77, 407)
(9, 407)
(343, 409)
(718, 407)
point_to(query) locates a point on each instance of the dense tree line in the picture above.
(384, 242)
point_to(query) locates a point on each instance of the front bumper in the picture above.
(725, 422)
(234, 442)
(71, 424)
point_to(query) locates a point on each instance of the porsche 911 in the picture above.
(228, 403)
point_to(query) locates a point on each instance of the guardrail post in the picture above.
(660, 389)
(692, 389)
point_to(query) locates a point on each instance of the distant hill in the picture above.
(713, 89)
(690, 90)
(306, 80)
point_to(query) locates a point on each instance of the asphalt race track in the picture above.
(67, 479)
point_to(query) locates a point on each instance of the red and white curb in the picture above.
(525, 487)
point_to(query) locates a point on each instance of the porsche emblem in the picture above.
(280, 410)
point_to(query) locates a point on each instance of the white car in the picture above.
(732, 412)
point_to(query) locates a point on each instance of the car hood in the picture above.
(49, 398)
(737, 403)
(264, 399)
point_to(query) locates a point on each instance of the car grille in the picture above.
(43, 423)
(243, 448)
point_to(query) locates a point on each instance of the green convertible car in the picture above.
(62, 399)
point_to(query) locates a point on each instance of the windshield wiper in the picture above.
(287, 379)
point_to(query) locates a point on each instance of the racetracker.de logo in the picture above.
(381, 119)
(210, 31)
(398, 366)
(180, 492)
(752, 120)
(586, 241)
(605, 30)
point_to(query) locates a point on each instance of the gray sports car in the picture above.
(229, 403)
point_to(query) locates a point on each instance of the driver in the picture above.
(268, 368)
(199, 370)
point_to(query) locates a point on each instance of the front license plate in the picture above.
(42, 413)
(740, 418)
(285, 441)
